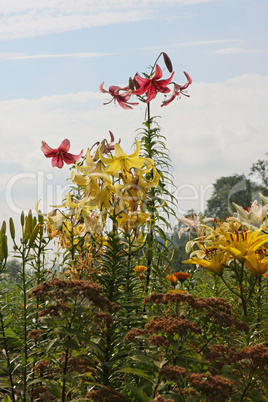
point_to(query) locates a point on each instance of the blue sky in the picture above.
(55, 53)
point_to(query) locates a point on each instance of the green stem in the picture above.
(63, 394)
(259, 300)
(25, 347)
(150, 235)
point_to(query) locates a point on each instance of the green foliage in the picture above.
(108, 325)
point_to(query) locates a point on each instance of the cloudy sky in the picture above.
(55, 53)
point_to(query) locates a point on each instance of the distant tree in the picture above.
(260, 170)
(226, 190)
(229, 189)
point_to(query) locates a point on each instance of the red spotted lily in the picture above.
(178, 89)
(61, 154)
(152, 85)
(121, 98)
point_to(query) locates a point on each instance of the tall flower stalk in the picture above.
(160, 200)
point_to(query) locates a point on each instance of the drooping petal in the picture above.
(57, 161)
(141, 81)
(101, 88)
(111, 136)
(47, 151)
(71, 158)
(158, 73)
(64, 146)
(124, 105)
(114, 168)
(151, 93)
(166, 81)
(138, 149)
(119, 153)
(189, 79)
(168, 101)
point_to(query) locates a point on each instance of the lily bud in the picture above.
(4, 246)
(22, 218)
(34, 234)
(168, 62)
(12, 228)
(4, 227)
(28, 224)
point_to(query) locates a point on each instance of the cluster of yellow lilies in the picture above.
(241, 239)
(114, 185)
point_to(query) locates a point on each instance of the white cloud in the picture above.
(220, 130)
(174, 46)
(238, 50)
(35, 17)
(16, 56)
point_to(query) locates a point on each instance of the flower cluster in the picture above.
(236, 241)
(147, 87)
(110, 183)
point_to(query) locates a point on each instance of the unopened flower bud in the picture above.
(168, 62)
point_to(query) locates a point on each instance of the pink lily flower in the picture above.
(178, 89)
(61, 154)
(122, 99)
(152, 85)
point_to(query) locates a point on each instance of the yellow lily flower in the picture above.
(214, 263)
(241, 244)
(141, 182)
(67, 203)
(257, 264)
(123, 162)
(133, 219)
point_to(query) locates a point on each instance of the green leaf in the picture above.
(53, 388)
(142, 397)
(192, 356)
(144, 359)
(138, 372)
(71, 344)
(6, 399)
(51, 344)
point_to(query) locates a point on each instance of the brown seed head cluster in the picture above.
(156, 298)
(214, 387)
(171, 326)
(106, 394)
(133, 333)
(173, 373)
(161, 399)
(256, 355)
(104, 318)
(42, 394)
(35, 334)
(59, 289)
(159, 341)
(81, 365)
